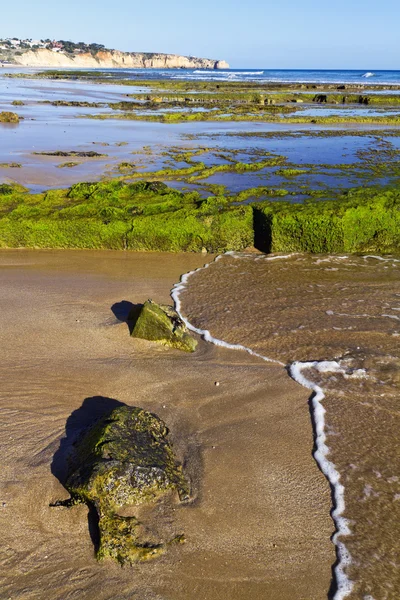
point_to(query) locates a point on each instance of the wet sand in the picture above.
(258, 526)
(329, 308)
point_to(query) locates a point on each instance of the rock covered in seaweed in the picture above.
(161, 323)
(121, 462)
(8, 117)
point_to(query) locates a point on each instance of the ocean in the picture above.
(361, 76)
(333, 322)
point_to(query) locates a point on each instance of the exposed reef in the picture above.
(149, 216)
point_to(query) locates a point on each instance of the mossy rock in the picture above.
(8, 117)
(124, 460)
(161, 323)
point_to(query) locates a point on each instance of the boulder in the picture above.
(161, 323)
(8, 117)
(124, 461)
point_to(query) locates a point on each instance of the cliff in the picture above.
(114, 59)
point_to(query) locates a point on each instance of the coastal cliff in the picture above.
(114, 59)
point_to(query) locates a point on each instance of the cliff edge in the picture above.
(114, 59)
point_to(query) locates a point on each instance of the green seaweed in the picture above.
(10, 165)
(161, 323)
(9, 117)
(68, 165)
(124, 460)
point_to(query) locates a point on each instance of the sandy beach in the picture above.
(258, 525)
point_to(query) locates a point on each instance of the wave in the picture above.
(344, 585)
(368, 74)
(230, 72)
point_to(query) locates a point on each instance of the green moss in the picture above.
(291, 172)
(68, 165)
(10, 165)
(65, 153)
(149, 216)
(74, 103)
(361, 220)
(161, 323)
(18, 103)
(8, 117)
(124, 460)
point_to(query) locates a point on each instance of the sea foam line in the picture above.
(344, 585)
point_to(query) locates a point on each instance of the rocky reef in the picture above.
(114, 59)
(161, 323)
(120, 463)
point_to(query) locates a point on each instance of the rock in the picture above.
(114, 59)
(161, 323)
(8, 117)
(124, 460)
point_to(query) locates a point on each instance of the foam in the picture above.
(204, 333)
(344, 584)
(200, 72)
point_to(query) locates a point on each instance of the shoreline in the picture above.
(238, 523)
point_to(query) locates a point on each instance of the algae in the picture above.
(68, 165)
(161, 323)
(124, 460)
(9, 117)
(64, 153)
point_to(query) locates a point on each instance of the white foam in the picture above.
(179, 287)
(381, 258)
(344, 584)
(200, 72)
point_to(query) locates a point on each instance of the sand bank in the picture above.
(259, 523)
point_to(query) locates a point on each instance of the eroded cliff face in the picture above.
(115, 59)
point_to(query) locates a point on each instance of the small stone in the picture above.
(216, 383)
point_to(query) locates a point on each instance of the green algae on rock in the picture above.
(161, 323)
(8, 117)
(10, 165)
(124, 461)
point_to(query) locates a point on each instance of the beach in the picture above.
(247, 442)
(264, 206)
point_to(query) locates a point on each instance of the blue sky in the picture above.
(254, 33)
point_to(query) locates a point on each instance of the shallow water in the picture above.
(51, 128)
(329, 308)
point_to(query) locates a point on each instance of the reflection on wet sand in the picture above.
(329, 308)
(259, 523)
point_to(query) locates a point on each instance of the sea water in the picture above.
(334, 322)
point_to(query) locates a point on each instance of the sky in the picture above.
(283, 34)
